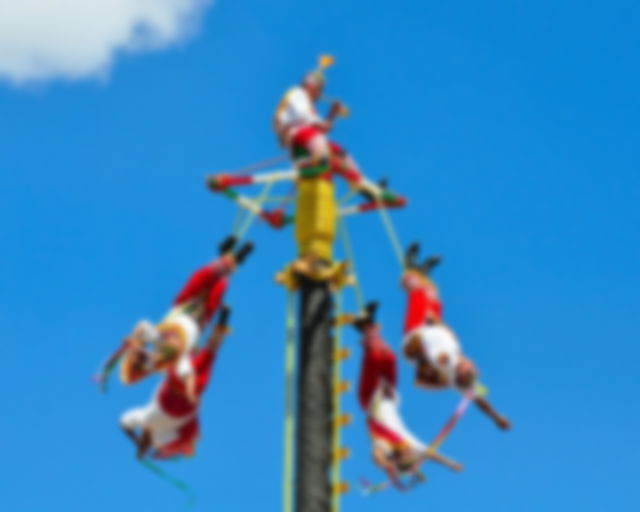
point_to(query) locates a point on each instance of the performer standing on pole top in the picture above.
(429, 343)
(173, 339)
(395, 449)
(168, 425)
(303, 131)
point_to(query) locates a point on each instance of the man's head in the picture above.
(466, 373)
(313, 82)
(171, 344)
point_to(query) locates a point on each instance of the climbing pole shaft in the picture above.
(315, 398)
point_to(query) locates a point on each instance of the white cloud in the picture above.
(74, 39)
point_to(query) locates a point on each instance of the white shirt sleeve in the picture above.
(297, 108)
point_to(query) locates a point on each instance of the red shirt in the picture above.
(173, 396)
(378, 365)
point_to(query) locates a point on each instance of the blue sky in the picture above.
(513, 129)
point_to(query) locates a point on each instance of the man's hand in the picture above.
(325, 126)
(457, 467)
(133, 342)
(221, 330)
(503, 423)
(218, 334)
(337, 109)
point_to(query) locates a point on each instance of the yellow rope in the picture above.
(252, 215)
(237, 221)
(289, 406)
(347, 197)
(391, 233)
(348, 250)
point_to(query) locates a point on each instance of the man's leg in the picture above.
(180, 442)
(144, 444)
(198, 283)
(131, 434)
(318, 147)
(344, 165)
(207, 284)
(138, 419)
(311, 152)
(142, 441)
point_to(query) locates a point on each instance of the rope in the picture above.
(348, 249)
(237, 221)
(367, 488)
(289, 406)
(337, 429)
(175, 482)
(467, 398)
(391, 233)
(289, 197)
(404, 483)
(279, 199)
(263, 164)
(347, 197)
(102, 377)
(251, 217)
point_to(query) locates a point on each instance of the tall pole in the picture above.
(314, 440)
(315, 276)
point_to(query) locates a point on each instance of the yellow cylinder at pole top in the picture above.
(316, 214)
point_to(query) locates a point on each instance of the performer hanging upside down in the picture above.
(168, 425)
(429, 343)
(303, 131)
(173, 339)
(395, 449)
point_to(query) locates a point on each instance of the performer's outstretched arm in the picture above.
(484, 405)
(136, 362)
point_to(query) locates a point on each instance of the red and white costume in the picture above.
(424, 318)
(171, 418)
(298, 122)
(295, 113)
(192, 310)
(380, 400)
